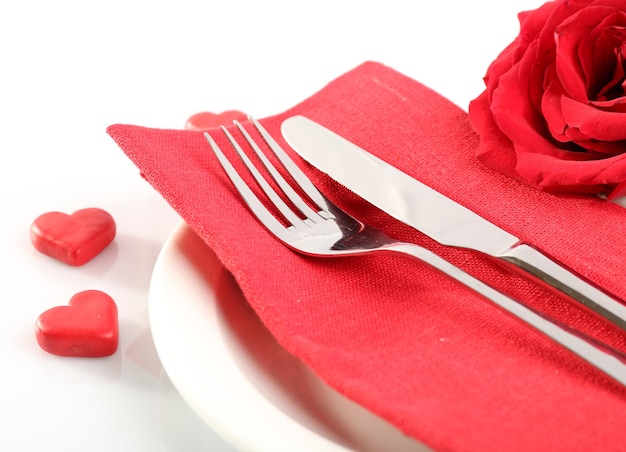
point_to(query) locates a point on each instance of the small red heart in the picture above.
(74, 239)
(206, 120)
(86, 327)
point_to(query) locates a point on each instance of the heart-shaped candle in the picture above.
(74, 239)
(86, 327)
(206, 120)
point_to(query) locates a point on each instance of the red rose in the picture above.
(554, 110)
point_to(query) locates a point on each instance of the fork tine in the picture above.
(294, 197)
(293, 219)
(301, 179)
(254, 203)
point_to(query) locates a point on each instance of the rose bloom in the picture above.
(553, 113)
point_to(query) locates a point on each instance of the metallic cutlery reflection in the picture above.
(436, 215)
(328, 231)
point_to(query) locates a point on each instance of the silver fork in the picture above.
(326, 230)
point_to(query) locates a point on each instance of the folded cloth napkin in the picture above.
(441, 363)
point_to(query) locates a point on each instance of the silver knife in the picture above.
(435, 215)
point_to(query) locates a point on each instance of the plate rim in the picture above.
(174, 350)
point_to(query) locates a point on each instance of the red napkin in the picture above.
(439, 362)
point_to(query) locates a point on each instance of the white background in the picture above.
(71, 68)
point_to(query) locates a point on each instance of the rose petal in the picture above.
(602, 147)
(594, 123)
(575, 176)
(558, 12)
(531, 26)
(602, 65)
(617, 4)
(578, 137)
(498, 67)
(494, 149)
(568, 67)
(551, 106)
(516, 116)
(617, 192)
(617, 105)
(570, 35)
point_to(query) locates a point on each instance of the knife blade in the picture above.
(436, 215)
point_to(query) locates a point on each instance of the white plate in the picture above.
(235, 376)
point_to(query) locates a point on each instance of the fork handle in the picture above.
(553, 275)
(605, 358)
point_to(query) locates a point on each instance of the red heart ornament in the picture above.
(86, 327)
(206, 120)
(74, 239)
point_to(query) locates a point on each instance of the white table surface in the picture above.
(71, 68)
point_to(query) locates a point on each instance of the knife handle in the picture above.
(568, 283)
(602, 356)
